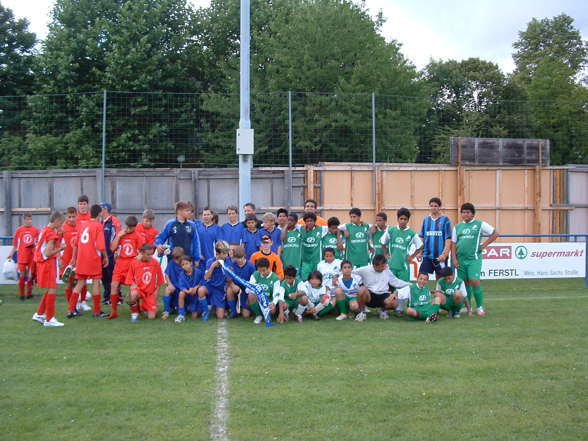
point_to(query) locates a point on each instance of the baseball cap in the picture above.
(266, 238)
(106, 205)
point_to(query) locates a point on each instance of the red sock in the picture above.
(83, 294)
(96, 301)
(114, 303)
(135, 308)
(30, 286)
(50, 306)
(42, 305)
(67, 294)
(73, 301)
(21, 285)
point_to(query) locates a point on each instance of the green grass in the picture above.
(521, 373)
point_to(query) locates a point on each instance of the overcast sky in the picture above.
(438, 29)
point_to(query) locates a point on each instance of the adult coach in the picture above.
(310, 207)
(111, 226)
(436, 235)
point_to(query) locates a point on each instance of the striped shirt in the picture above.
(434, 233)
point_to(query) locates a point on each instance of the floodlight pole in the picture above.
(245, 132)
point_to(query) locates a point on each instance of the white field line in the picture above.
(220, 416)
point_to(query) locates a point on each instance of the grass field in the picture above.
(521, 373)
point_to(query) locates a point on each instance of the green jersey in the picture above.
(356, 248)
(467, 237)
(450, 288)
(269, 283)
(329, 240)
(289, 289)
(292, 249)
(311, 244)
(377, 240)
(399, 242)
(417, 297)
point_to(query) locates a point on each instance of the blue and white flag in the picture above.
(257, 289)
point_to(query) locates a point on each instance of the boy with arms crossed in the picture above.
(46, 258)
(467, 252)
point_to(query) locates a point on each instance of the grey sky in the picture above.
(438, 29)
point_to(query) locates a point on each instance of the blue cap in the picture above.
(106, 205)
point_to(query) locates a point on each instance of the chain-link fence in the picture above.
(151, 129)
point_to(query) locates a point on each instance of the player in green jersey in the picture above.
(310, 235)
(270, 283)
(467, 252)
(454, 293)
(397, 241)
(295, 300)
(332, 238)
(421, 304)
(291, 243)
(357, 243)
(376, 232)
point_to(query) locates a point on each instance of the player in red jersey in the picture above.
(145, 277)
(83, 215)
(23, 243)
(146, 228)
(89, 258)
(68, 240)
(46, 252)
(126, 245)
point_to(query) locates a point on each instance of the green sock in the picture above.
(256, 308)
(479, 295)
(343, 307)
(456, 307)
(326, 310)
(470, 291)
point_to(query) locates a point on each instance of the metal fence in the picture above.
(152, 129)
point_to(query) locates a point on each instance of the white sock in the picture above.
(300, 310)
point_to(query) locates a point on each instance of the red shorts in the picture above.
(88, 276)
(21, 267)
(148, 302)
(47, 274)
(121, 270)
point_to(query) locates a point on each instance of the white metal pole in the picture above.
(245, 158)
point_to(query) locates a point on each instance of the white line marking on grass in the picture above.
(508, 299)
(218, 428)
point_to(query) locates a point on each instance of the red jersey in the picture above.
(68, 237)
(82, 216)
(24, 242)
(147, 276)
(148, 234)
(129, 244)
(47, 235)
(89, 242)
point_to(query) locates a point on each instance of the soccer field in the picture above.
(520, 373)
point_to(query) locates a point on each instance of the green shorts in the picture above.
(426, 310)
(291, 304)
(306, 268)
(450, 304)
(402, 274)
(469, 269)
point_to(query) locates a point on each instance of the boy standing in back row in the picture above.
(357, 247)
(436, 235)
(397, 242)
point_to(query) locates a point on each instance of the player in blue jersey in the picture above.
(190, 281)
(217, 286)
(250, 236)
(180, 232)
(436, 236)
(232, 230)
(173, 270)
(209, 233)
(243, 268)
(271, 229)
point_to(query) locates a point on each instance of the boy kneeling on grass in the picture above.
(145, 278)
(454, 292)
(220, 289)
(346, 288)
(421, 304)
(320, 302)
(270, 283)
(190, 283)
(294, 299)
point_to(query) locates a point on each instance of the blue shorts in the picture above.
(191, 302)
(244, 300)
(216, 296)
(430, 266)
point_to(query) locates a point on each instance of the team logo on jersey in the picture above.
(175, 230)
(399, 240)
(27, 238)
(127, 249)
(291, 239)
(359, 235)
(466, 231)
(310, 240)
(475, 227)
(146, 278)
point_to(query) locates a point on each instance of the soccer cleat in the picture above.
(84, 306)
(341, 317)
(73, 314)
(180, 319)
(111, 316)
(38, 317)
(22, 298)
(121, 300)
(205, 315)
(384, 314)
(164, 315)
(398, 313)
(480, 311)
(52, 323)
(106, 302)
(134, 317)
(456, 315)
(432, 318)
(100, 314)
(258, 320)
(233, 315)
(299, 318)
(316, 317)
(360, 317)
(30, 296)
(67, 273)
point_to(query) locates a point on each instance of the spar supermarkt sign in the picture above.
(534, 260)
